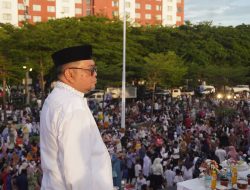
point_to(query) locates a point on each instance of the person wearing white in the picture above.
(140, 181)
(188, 168)
(29, 126)
(73, 155)
(187, 172)
(221, 153)
(178, 177)
(146, 165)
(169, 177)
(156, 181)
(137, 169)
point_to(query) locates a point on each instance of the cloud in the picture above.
(221, 12)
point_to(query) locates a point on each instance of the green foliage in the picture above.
(225, 74)
(164, 68)
(8, 70)
(166, 56)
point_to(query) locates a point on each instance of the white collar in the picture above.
(60, 84)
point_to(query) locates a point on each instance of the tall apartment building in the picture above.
(138, 12)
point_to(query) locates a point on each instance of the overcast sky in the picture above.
(221, 12)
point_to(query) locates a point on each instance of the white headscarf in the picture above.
(157, 168)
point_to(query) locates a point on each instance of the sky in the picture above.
(220, 12)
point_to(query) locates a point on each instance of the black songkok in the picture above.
(71, 54)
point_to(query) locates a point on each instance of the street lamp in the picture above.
(26, 83)
(141, 82)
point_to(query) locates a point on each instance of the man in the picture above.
(146, 165)
(73, 155)
(221, 153)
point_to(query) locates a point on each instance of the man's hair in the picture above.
(58, 71)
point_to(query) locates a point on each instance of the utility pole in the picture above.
(41, 78)
(4, 98)
(153, 100)
(26, 83)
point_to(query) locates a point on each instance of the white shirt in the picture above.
(146, 165)
(187, 173)
(29, 126)
(176, 154)
(178, 179)
(137, 170)
(140, 183)
(73, 155)
(221, 153)
(169, 176)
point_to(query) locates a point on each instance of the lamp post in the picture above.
(26, 83)
(141, 82)
(141, 88)
(153, 100)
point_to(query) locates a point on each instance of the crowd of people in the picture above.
(164, 142)
(19, 149)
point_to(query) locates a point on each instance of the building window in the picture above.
(148, 7)
(21, 18)
(21, 6)
(169, 18)
(179, 9)
(115, 13)
(87, 2)
(51, 18)
(148, 16)
(78, 1)
(36, 7)
(7, 16)
(88, 12)
(178, 18)
(137, 5)
(6, 5)
(37, 19)
(170, 8)
(137, 15)
(127, 4)
(158, 17)
(158, 7)
(51, 9)
(65, 10)
(78, 11)
(170, 0)
(115, 3)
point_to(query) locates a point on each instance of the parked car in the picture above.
(206, 89)
(176, 93)
(96, 95)
(187, 92)
(240, 88)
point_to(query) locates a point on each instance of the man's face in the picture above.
(83, 75)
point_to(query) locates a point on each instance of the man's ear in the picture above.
(68, 74)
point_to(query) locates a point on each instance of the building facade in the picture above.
(138, 12)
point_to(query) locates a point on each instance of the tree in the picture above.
(166, 69)
(198, 46)
(226, 74)
(8, 71)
